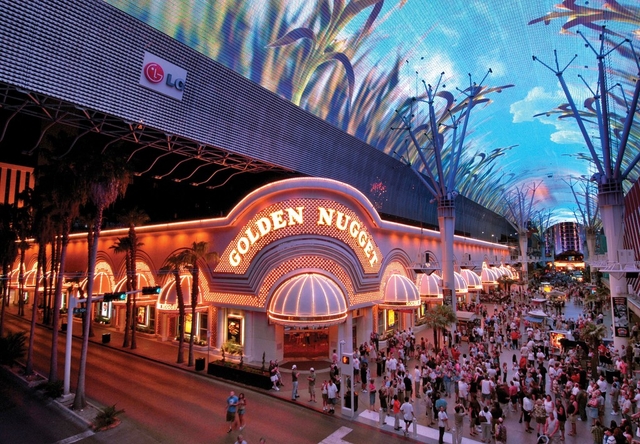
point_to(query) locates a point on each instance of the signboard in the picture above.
(163, 77)
(621, 317)
(79, 310)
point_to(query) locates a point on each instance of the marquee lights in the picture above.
(301, 216)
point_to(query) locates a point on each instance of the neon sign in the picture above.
(314, 217)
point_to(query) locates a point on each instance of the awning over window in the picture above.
(400, 294)
(430, 286)
(309, 299)
(473, 280)
(460, 283)
(168, 300)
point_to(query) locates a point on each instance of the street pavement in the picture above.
(159, 352)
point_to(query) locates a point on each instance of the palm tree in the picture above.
(122, 246)
(198, 253)
(62, 184)
(133, 218)
(23, 224)
(107, 178)
(593, 334)
(174, 264)
(8, 253)
(439, 318)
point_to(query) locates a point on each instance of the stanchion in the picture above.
(415, 427)
(382, 417)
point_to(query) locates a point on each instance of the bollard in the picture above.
(382, 417)
(415, 427)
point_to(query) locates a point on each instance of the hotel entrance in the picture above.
(310, 342)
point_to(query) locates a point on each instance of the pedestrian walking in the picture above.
(312, 384)
(408, 415)
(295, 374)
(240, 440)
(325, 397)
(501, 432)
(241, 405)
(230, 409)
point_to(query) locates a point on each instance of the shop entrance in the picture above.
(306, 342)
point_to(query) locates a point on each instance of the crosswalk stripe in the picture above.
(336, 437)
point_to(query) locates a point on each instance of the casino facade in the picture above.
(303, 264)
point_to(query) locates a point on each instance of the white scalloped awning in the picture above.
(460, 284)
(308, 299)
(430, 286)
(400, 294)
(473, 280)
(488, 276)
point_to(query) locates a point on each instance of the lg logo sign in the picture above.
(153, 72)
(162, 76)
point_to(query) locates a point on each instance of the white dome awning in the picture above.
(429, 286)
(488, 276)
(460, 284)
(308, 299)
(400, 294)
(473, 280)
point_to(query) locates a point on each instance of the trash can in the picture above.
(106, 338)
(199, 364)
(63, 328)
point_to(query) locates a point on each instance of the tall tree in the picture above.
(8, 254)
(593, 334)
(107, 177)
(194, 257)
(122, 246)
(174, 265)
(438, 318)
(62, 185)
(23, 224)
(133, 218)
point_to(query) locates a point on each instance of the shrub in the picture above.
(12, 347)
(233, 348)
(53, 389)
(106, 417)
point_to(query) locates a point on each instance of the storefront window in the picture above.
(392, 319)
(141, 317)
(203, 324)
(188, 323)
(151, 310)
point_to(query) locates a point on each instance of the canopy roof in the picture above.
(520, 137)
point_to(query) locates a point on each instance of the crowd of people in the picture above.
(546, 388)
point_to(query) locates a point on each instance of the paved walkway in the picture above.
(166, 353)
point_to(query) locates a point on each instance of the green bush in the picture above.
(233, 348)
(53, 389)
(12, 347)
(106, 417)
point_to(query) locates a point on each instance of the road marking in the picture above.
(336, 437)
(76, 438)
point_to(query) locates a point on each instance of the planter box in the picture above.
(232, 373)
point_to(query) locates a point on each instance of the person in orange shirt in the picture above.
(396, 413)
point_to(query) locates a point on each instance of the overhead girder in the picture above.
(54, 111)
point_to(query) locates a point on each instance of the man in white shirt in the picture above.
(463, 392)
(487, 385)
(408, 415)
(417, 377)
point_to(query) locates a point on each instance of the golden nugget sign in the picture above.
(282, 221)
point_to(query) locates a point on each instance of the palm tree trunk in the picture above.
(21, 283)
(4, 285)
(34, 310)
(134, 323)
(127, 316)
(194, 302)
(57, 300)
(176, 274)
(80, 401)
